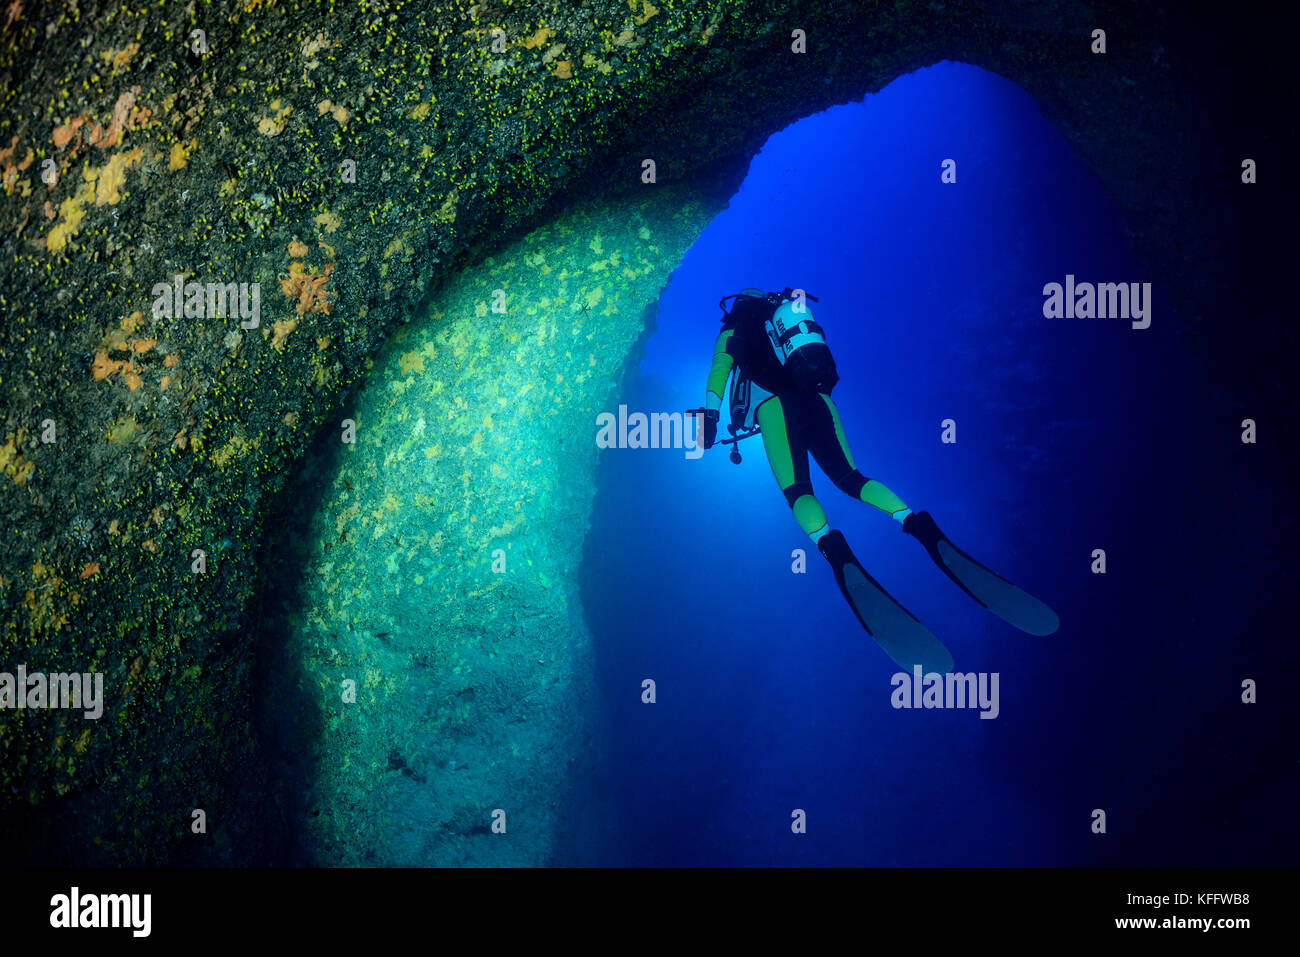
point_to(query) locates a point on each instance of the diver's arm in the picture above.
(722, 363)
(718, 372)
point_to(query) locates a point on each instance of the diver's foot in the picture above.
(834, 548)
(923, 528)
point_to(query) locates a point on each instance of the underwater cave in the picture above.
(365, 590)
(506, 584)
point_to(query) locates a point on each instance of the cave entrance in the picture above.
(931, 292)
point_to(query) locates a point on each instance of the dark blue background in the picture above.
(1073, 434)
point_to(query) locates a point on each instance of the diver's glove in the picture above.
(710, 427)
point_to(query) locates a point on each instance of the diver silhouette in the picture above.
(781, 389)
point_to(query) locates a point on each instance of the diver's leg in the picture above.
(788, 425)
(830, 447)
(787, 454)
(818, 420)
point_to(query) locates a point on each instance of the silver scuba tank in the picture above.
(800, 345)
(789, 331)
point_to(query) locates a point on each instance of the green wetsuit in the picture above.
(795, 423)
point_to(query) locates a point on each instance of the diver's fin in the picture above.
(895, 629)
(1008, 601)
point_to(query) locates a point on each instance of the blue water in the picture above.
(1072, 435)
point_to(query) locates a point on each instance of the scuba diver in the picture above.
(781, 390)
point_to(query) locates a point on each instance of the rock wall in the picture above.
(434, 560)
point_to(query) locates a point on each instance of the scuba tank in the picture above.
(800, 343)
(796, 348)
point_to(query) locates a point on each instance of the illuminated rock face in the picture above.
(436, 559)
(346, 163)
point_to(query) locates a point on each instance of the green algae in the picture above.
(441, 567)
